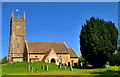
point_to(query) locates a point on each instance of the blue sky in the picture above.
(56, 21)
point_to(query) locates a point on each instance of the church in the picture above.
(31, 51)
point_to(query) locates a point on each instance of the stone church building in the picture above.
(30, 51)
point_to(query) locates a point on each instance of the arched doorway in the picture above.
(52, 60)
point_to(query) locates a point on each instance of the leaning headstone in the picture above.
(43, 67)
(46, 67)
(71, 69)
(28, 67)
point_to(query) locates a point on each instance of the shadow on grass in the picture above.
(83, 67)
(107, 73)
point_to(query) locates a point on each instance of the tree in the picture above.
(118, 50)
(4, 60)
(83, 61)
(0, 61)
(114, 60)
(98, 40)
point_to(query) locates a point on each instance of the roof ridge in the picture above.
(66, 47)
(59, 47)
(71, 48)
(45, 42)
(72, 52)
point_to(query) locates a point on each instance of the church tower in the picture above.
(17, 38)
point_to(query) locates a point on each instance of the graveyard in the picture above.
(42, 68)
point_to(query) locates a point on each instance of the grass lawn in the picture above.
(21, 68)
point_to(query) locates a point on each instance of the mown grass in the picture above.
(21, 68)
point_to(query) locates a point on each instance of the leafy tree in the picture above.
(98, 40)
(118, 50)
(115, 60)
(0, 61)
(83, 61)
(4, 60)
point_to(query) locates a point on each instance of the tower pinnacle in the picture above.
(18, 15)
(12, 12)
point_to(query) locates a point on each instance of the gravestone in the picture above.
(28, 67)
(46, 67)
(43, 67)
(59, 65)
(71, 69)
(81, 64)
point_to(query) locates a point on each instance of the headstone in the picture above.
(72, 62)
(46, 67)
(43, 67)
(59, 65)
(71, 69)
(81, 64)
(28, 67)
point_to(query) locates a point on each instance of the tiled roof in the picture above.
(44, 47)
(72, 52)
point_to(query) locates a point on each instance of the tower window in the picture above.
(18, 45)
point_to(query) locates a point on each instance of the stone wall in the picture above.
(65, 58)
(40, 56)
(74, 59)
(17, 59)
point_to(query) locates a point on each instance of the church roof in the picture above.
(44, 47)
(72, 52)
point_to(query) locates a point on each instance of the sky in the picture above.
(55, 21)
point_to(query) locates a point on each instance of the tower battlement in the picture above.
(18, 17)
